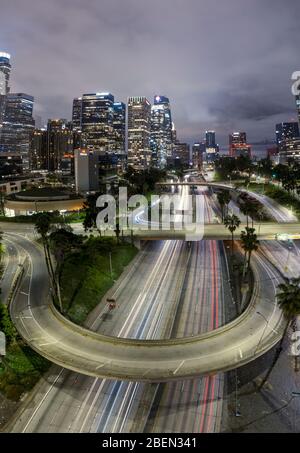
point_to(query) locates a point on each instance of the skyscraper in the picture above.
(211, 148)
(97, 121)
(139, 128)
(77, 114)
(286, 132)
(53, 148)
(161, 131)
(298, 106)
(119, 126)
(38, 156)
(181, 154)
(238, 145)
(86, 170)
(197, 155)
(59, 143)
(18, 125)
(210, 138)
(5, 68)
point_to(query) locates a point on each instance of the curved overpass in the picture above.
(78, 349)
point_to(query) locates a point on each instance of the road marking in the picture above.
(48, 344)
(43, 399)
(104, 364)
(178, 368)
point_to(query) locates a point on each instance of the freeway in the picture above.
(114, 407)
(153, 361)
(67, 402)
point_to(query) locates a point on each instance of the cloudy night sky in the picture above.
(224, 64)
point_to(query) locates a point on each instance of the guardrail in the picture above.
(16, 281)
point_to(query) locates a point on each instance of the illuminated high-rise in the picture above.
(139, 129)
(238, 145)
(119, 125)
(210, 138)
(18, 125)
(97, 121)
(77, 114)
(5, 69)
(286, 132)
(161, 131)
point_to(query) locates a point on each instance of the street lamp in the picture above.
(263, 334)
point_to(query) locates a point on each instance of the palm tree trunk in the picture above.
(232, 241)
(277, 355)
(48, 263)
(245, 265)
(54, 277)
(249, 260)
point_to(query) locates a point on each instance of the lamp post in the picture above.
(263, 334)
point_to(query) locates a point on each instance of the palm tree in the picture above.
(232, 222)
(43, 222)
(246, 207)
(118, 231)
(250, 244)
(224, 199)
(289, 301)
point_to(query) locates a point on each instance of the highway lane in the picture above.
(12, 259)
(196, 405)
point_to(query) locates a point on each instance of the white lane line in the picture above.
(104, 364)
(178, 368)
(41, 402)
(48, 344)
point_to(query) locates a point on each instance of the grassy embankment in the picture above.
(86, 276)
(21, 368)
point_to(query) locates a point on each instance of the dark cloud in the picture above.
(224, 64)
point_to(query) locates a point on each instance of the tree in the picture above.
(6, 326)
(2, 203)
(118, 231)
(250, 244)
(244, 165)
(265, 167)
(224, 199)
(90, 211)
(62, 242)
(43, 225)
(248, 207)
(232, 222)
(288, 299)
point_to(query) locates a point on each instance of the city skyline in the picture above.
(225, 85)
